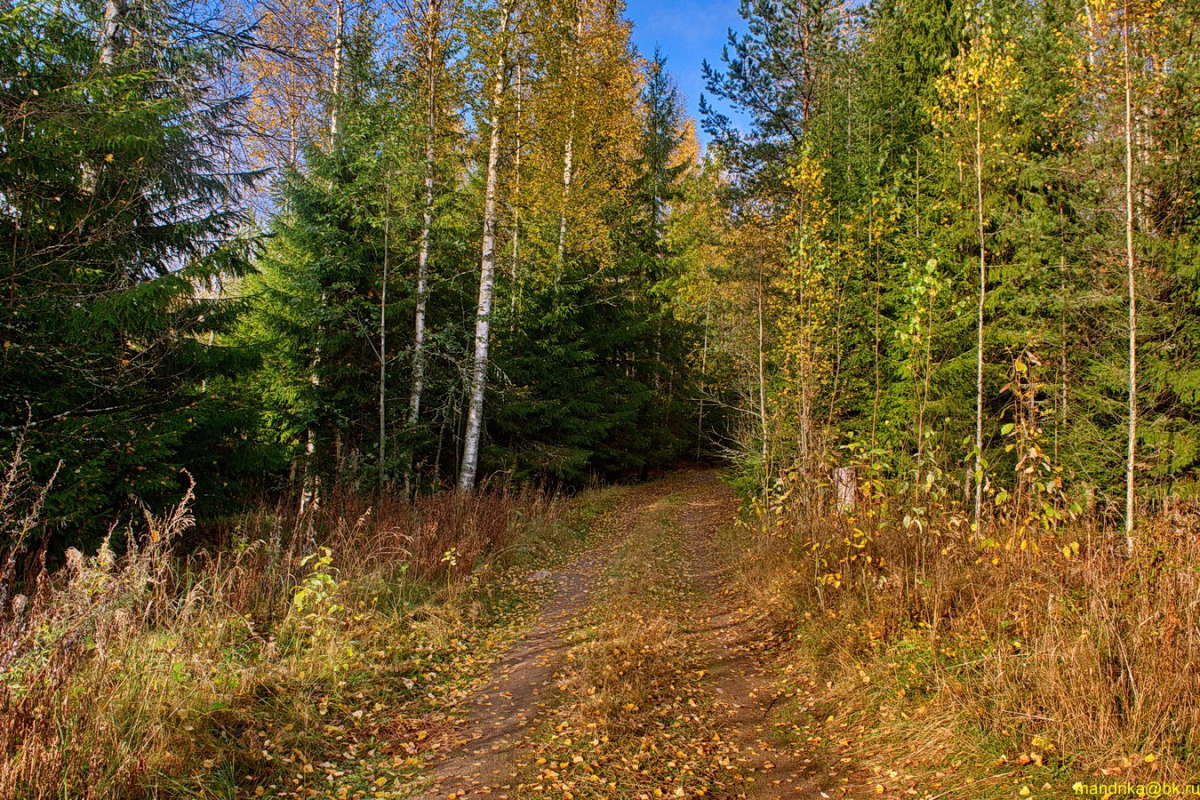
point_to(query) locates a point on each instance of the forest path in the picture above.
(642, 676)
(494, 722)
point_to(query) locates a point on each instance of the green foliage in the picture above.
(601, 409)
(903, 108)
(119, 220)
(588, 371)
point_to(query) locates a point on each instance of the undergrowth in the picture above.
(297, 653)
(1013, 660)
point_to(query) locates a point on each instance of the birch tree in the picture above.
(430, 37)
(573, 56)
(974, 95)
(1122, 71)
(289, 77)
(1130, 280)
(499, 41)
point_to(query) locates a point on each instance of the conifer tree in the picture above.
(432, 39)
(323, 300)
(974, 92)
(120, 216)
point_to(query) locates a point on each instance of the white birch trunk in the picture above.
(433, 25)
(762, 391)
(339, 45)
(568, 163)
(515, 265)
(487, 272)
(383, 351)
(1090, 16)
(978, 476)
(110, 29)
(845, 488)
(310, 492)
(569, 146)
(1131, 280)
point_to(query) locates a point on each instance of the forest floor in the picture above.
(628, 643)
(646, 666)
(642, 674)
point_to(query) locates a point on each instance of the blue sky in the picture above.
(687, 32)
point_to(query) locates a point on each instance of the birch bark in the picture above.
(432, 31)
(1131, 281)
(487, 266)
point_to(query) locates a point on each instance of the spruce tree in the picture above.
(121, 220)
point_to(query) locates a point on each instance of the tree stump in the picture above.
(845, 488)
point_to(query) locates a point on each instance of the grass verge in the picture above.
(1031, 659)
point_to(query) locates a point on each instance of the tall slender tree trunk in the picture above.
(762, 391)
(806, 362)
(487, 269)
(1090, 16)
(877, 337)
(339, 46)
(310, 491)
(515, 265)
(1131, 281)
(1060, 418)
(924, 402)
(568, 165)
(839, 352)
(569, 145)
(309, 495)
(807, 355)
(293, 144)
(383, 291)
(978, 477)
(926, 376)
(110, 30)
(432, 31)
(703, 385)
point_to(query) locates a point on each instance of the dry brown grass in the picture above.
(1040, 640)
(137, 670)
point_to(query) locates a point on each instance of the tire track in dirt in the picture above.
(737, 646)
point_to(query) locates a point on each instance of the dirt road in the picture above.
(642, 676)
